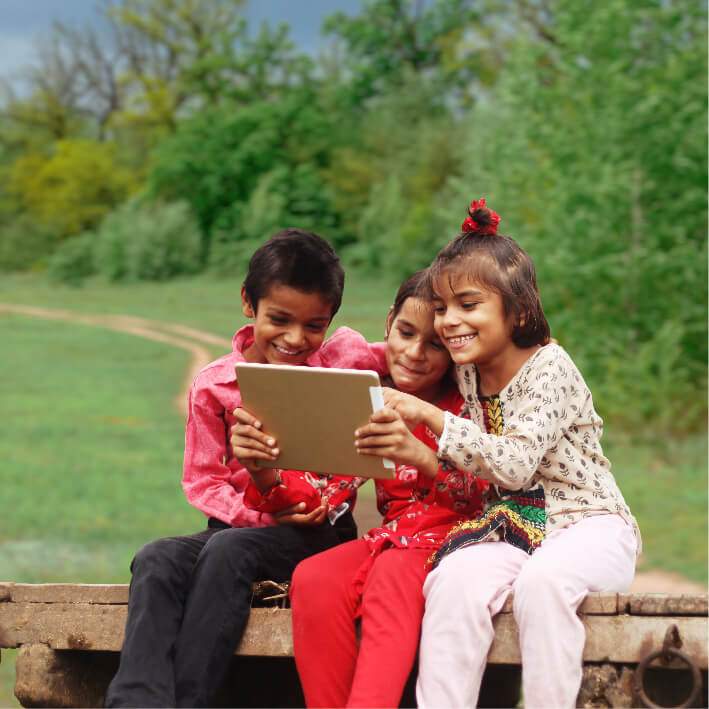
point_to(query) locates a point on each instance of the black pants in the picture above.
(189, 603)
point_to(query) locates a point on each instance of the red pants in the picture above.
(335, 670)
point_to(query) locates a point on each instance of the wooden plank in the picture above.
(624, 638)
(665, 604)
(64, 593)
(77, 626)
(594, 604)
(90, 626)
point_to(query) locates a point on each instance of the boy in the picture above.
(190, 596)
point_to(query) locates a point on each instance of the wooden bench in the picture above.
(69, 637)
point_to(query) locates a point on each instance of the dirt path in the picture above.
(177, 335)
(194, 341)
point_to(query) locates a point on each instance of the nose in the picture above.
(294, 336)
(448, 319)
(414, 351)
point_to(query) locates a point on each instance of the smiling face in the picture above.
(416, 358)
(471, 322)
(289, 325)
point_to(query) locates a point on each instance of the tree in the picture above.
(594, 151)
(73, 188)
(390, 38)
(217, 159)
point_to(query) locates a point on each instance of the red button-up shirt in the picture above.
(213, 480)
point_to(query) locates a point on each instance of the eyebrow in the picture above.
(273, 310)
(401, 321)
(474, 293)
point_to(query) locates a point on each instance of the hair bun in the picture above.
(481, 220)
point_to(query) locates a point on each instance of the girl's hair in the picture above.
(497, 262)
(413, 287)
(299, 259)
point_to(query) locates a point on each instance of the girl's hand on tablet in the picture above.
(387, 436)
(414, 410)
(248, 441)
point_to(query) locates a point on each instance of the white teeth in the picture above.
(462, 339)
(290, 353)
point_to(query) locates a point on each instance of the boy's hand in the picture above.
(295, 515)
(248, 441)
(387, 436)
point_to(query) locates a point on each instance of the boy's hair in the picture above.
(298, 259)
(497, 262)
(412, 287)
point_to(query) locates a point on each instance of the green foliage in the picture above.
(193, 54)
(73, 261)
(604, 183)
(25, 243)
(71, 189)
(386, 189)
(148, 241)
(284, 197)
(390, 39)
(226, 162)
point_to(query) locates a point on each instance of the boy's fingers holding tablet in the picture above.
(243, 416)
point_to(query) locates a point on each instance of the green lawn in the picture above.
(92, 442)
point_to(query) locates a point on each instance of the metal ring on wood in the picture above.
(666, 654)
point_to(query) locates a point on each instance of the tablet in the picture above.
(313, 413)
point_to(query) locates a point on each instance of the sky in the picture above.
(24, 22)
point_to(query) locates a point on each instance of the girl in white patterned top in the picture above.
(560, 527)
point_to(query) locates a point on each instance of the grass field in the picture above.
(92, 442)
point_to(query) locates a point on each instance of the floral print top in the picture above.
(540, 448)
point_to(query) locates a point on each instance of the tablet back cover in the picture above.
(313, 413)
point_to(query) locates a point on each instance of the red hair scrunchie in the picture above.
(471, 225)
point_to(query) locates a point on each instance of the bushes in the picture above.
(25, 243)
(150, 242)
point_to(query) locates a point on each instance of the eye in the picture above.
(405, 333)
(439, 309)
(277, 320)
(316, 328)
(469, 305)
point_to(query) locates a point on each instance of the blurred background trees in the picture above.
(177, 138)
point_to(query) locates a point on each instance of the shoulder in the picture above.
(347, 348)
(550, 367)
(220, 371)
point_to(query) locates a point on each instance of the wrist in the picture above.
(428, 465)
(433, 418)
(266, 479)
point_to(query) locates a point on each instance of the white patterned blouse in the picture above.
(538, 442)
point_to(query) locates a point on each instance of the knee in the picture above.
(309, 577)
(159, 560)
(536, 583)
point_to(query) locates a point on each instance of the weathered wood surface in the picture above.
(621, 628)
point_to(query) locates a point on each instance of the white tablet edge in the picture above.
(377, 397)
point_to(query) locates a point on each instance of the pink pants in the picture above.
(335, 669)
(471, 585)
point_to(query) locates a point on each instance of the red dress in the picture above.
(377, 578)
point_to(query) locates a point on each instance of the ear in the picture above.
(390, 320)
(246, 306)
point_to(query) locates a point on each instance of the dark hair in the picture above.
(299, 259)
(501, 264)
(413, 287)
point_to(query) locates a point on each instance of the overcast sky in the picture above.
(22, 22)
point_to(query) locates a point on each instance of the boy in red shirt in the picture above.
(190, 596)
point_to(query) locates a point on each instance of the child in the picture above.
(190, 596)
(561, 527)
(378, 578)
